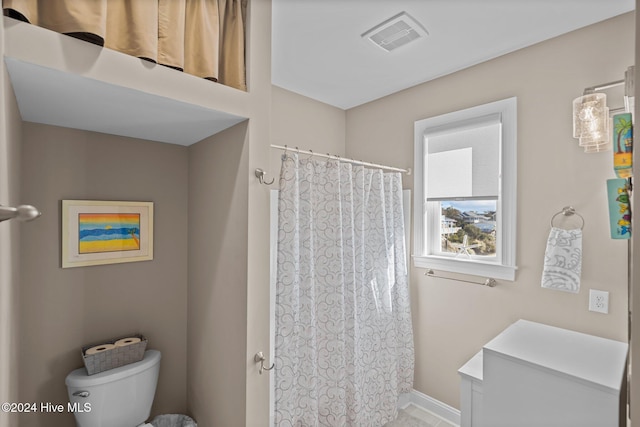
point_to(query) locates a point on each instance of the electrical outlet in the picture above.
(599, 301)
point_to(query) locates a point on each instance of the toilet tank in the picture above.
(119, 397)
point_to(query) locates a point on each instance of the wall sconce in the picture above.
(591, 116)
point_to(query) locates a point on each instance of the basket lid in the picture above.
(80, 378)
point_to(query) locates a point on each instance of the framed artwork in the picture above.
(98, 232)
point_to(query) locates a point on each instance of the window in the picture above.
(465, 191)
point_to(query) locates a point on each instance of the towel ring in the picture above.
(568, 211)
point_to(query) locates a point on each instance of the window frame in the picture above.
(504, 265)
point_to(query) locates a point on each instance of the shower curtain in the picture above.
(344, 342)
(205, 38)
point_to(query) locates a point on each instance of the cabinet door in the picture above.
(517, 394)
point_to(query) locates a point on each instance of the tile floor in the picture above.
(414, 416)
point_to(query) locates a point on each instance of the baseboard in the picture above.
(441, 409)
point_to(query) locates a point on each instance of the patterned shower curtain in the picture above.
(344, 342)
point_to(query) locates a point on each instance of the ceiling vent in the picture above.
(395, 32)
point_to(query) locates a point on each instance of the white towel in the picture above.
(563, 260)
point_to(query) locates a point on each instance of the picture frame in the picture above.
(98, 232)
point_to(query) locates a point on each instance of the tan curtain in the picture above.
(25, 10)
(201, 26)
(132, 27)
(86, 20)
(232, 41)
(171, 20)
(205, 38)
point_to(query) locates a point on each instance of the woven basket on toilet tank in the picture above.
(113, 353)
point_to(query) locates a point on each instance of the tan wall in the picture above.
(63, 309)
(10, 137)
(228, 390)
(217, 278)
(452, 320)
(257, 326)
(298, 121)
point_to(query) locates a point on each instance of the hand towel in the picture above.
(563, 260)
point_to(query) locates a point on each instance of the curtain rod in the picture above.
(342, 159)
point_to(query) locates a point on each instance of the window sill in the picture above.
(472, 267)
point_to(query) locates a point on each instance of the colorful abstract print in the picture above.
(108, 232)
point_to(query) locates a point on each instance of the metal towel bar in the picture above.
(488, 282)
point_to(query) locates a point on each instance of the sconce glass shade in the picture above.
(598, 131)
(596, 148)
(588, 114)
(591, 122)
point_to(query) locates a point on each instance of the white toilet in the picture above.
(119, 397)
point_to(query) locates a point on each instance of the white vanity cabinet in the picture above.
(535, 375)
(471, 392)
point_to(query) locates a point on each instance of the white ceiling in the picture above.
(318, 52)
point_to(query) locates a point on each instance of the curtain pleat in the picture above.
(171, 23)
(205, 38)
(132, 28)
(201, 27)
(86, 20)
(24, 10)
(232, 42)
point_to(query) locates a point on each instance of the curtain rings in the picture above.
(331, 157)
